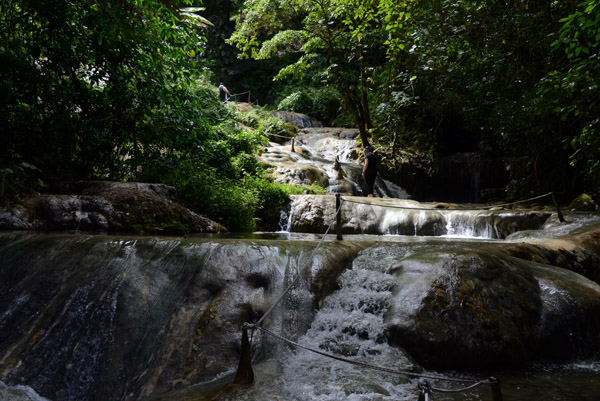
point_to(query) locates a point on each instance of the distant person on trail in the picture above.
(224, 93)
(370, 169)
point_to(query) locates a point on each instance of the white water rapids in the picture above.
(313, 158)
(350, 324)
(349, 321)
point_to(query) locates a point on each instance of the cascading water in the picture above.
(403, 217)
(314, 161)
(350, 323)
(137, 318)
(102, 318)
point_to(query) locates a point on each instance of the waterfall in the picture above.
(350, 323)
(128, 318)
(327, 157)
(314, 214)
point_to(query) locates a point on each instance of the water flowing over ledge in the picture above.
(327, 157)
(387, 216)
(134, 318)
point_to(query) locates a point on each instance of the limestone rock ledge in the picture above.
(104, 206)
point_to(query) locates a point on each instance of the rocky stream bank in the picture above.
(105, 317)
(105, 206)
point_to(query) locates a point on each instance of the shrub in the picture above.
(266, 124)
(320, 103)
(223, 199)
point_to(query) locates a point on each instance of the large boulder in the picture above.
(583, 202)
(479, 308)
(580, 254)
(106, 207)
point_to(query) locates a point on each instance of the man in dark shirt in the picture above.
(224, 93)
(370, 169)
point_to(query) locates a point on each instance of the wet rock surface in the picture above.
(298, 119)
(360, 215)
(106, 207)
(104, 318)
(97, 317)
(480, 309)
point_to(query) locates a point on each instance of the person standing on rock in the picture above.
(224, 93)
(370, 169)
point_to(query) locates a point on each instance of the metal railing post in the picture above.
(338, 216)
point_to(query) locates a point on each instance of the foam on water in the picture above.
(349, 324)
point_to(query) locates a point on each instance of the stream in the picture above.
(107, 332)
(156, 318)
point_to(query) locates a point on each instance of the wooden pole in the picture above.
(496, 391)
(338, 216)
(244, 374)
(560, 215)
(2, 187)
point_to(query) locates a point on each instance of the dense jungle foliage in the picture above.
(125, 90)
(115, 90)
(513, 78)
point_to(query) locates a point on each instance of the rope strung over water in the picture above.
(277, 135)
(245, 375)
(465, 209)
(358, 363)
(491, 381)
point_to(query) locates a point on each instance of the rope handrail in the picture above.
(245, 369)
(241, 93)
(460, 390)
(375, 367)
(259, 321)
(391, 206)
(461, 209)
(280, 136)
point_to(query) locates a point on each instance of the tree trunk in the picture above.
(365, 101)
(357, 111)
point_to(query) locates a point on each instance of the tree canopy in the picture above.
(124, 89)
(115, 89)
(90, 86)
(445, 76)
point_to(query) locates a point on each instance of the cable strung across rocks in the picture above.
(465, 209)
(364, 364)
(424, 386)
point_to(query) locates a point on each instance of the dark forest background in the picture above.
(126, 90)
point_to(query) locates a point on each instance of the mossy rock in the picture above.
(583, 203)
(105, 206)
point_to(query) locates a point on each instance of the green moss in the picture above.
(583, 202)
